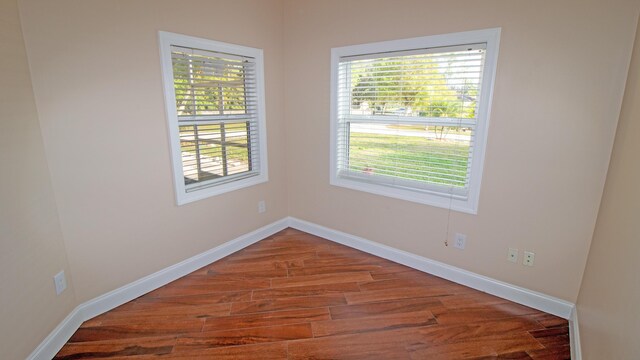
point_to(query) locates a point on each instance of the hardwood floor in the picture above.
(297, 296)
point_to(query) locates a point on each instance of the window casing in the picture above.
(409, 117)
(214, 97)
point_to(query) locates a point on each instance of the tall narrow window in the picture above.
(215, 105)
(410, 117)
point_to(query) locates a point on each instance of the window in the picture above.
(410, 117)
(214, 96)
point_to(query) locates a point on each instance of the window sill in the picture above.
(200, 194)
(445, 201)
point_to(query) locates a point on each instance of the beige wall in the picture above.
(560, 78)
(608, 303)
(96, 77)
(31, 246)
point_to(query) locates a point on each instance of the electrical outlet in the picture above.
(60, 281)
(262, 206)
(460, 241)
(513, 255)
(528, 258)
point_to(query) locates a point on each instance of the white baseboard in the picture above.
(50, 346)
(103, 303)
(498, 288)
(574, 335)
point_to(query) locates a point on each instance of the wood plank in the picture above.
(321, 279)
(376, 345)
(553, 342)
(514, 309)
(307, 302)
(329, 249)
(276, 248)
(242, 258)
(243, 336)
(266, 319)
(196, 300)
(548, 320)
(389, 272)
(109, 320)
(273, 351)
(265, 351)
(555, 353)
(309, 290)
(442, 334)
(486, 346)
(381, 308)
(114, 348)
(334, 269)
(552, 337)
(372, 323)
(137, 329)
(208, 280)
(246, 275)
(519, 355)
(164, 309)
(226, 266)
(421, 281)
(415, 275)
(395, 294)
(470, 300)
(461, 316)
(345, 260)
(210, 288)
(550, 332)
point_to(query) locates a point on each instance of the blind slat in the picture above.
(408, 118)
(216, 101)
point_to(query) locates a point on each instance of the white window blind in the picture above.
(216, 117)
(408, 118)
(216, 105)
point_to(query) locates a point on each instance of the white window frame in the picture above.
(448, 200)
(166, 40)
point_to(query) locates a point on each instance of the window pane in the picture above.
(436, 91)
(443, 85)
(432, 154)
(214, 150)
(209, 84)
(237, 149)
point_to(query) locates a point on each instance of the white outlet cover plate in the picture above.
(528, 258)
(512, 255)
(60, 281)
(460, 241)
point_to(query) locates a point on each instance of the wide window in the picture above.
(410, 117)
(215, 106)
